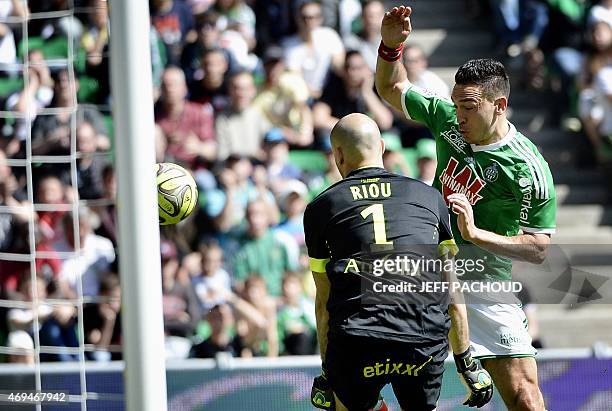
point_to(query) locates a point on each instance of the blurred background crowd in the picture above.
(246, 93)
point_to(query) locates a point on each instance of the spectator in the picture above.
(210, 85)
(94, 259)
(106, 212)
(213, 283)
(296, 318)
(22, 341)
(595, 84)
(261, 251)
(426, 160)
(241, 128)
(315, 49)
(293, 200)
(23, 318)
(102, 320)
(56, 324)
(95, 38)
(188, 126)
(601, 12)
(8, 49)
(236, 15)
(13, 224)
(284, 100)
(237, 25)
(393, 157)
(258, 338)
(67, 26)
(275, 20)
(318, 183)
(173, 21)
(367, 40)
(50, 190)
(415, 62)
(89, 165)
(208, 36)
(221, 339)
(51, 133)
(180, 304)
(276, 158)
(353, 92)
(36, 96)
(226, 205)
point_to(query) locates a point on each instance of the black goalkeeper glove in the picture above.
(321, 395)
(476, 379)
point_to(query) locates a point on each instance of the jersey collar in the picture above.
(490, 147)
(357, 170)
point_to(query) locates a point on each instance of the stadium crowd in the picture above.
(246, 93)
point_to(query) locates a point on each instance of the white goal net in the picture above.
(59, 293)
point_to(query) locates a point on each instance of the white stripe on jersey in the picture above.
(403, 100)
(538, 167)
(534, 174)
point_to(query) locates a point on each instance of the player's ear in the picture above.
(382, 146)
(339, 155)
(501, 104)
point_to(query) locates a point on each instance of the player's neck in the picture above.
(499, 132)
(365, 164)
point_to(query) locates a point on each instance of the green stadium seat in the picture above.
(410, 155)
(88, 88)
(10, 85)
(54, 48)
(308, 160)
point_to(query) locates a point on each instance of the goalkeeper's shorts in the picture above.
(359, 367)
(499, 330)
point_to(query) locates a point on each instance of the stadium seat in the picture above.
(54, 48)
(88, 89)
(308, 160)
(10, 85)
(411, 158)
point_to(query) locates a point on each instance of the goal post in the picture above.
(131, 85)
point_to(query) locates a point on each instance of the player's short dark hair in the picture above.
(486, 73)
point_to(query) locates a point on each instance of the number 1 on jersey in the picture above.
(378, 216)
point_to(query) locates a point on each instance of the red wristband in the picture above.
(389, 54)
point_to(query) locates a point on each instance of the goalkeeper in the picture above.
(501, 192)
(364, 343)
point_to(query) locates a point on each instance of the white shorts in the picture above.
(499, 330)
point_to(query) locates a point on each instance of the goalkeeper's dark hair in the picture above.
(486, 73)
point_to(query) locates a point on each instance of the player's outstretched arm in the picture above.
(391, 78)
(529, 247)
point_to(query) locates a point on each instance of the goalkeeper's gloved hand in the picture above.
(321, 395)
(476, 379)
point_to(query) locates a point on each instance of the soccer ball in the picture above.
(177, 193)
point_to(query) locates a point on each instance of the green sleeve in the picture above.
(427, 108)
(535, 192)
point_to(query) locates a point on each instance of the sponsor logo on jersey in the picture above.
(455, 139)
(491, 173)
(389, 368)
(526, 200)
(459, 182)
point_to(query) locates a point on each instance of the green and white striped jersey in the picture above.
(508, 183)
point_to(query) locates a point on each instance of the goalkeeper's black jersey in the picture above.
(372, 215)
